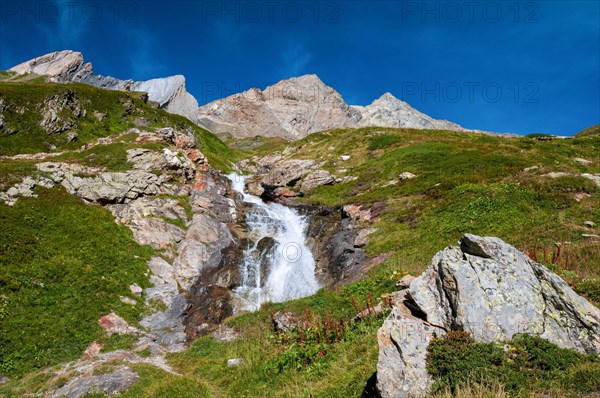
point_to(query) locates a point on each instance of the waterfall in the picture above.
(284, 272)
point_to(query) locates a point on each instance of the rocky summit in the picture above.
(303, 105)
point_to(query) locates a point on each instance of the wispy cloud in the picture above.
(73, 22)
(295, 59)
(66, 29)
(144, 59)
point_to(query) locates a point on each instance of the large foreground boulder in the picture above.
(489, 289)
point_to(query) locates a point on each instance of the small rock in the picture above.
(531, 168)
(284, 321)
(316, 179)
(595, 178)
(99, 115)
(357, 213)
(345, 157)
(556, 174)
(92, 350)
(136, 290)
(4, 380)
(141, 121)
(583, 161)
(405, 282)
(232, 363)
(590, 236)
(196, 156)
(226, 334)
(202, 327)
(113, 323)
(589, 224)
(110, 384)
(407, 176)
(362, 236)
(72, 136)
(127, 300)
(579, 196)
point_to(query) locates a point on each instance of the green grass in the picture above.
(22, 114)
(283, 366)
(64, 264)
(257, 145)
(527, 364)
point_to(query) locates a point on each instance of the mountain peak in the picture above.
(388, 96)
(58, 66)
(308, 78)
(303, 82)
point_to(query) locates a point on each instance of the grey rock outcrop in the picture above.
(299, 106)
(489, 289)
(316, 179)
(68, 66)
(104, 188)
(286, 172)
(204, 241)
(110, 384)
(276, 178)
(61, 112)
(146, 217)
(113, 187)
(168, 160)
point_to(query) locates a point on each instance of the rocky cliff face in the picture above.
(69, 66)
(291, 109)
(303, 105)
(489, 289)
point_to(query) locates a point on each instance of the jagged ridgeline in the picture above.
(131, 247)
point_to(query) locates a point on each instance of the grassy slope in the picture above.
(64, 264)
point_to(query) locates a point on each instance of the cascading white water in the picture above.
(290, 271)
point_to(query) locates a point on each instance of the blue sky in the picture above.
(506, 66)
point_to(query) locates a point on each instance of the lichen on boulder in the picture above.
(489, 289)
